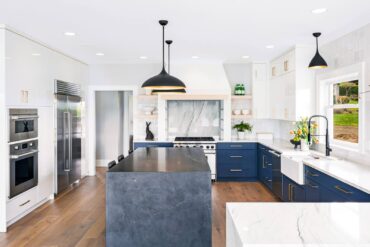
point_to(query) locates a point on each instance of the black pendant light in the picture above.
(171, 91)
(317, 61)
(163, 80)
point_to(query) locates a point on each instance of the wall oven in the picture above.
(23, 167)
(23, 124)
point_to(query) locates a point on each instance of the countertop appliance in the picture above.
(23, 171)
(208, 145)
(68, 134)
(23, 124)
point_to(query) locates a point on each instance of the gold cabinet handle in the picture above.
(289, 192)
(343, 190)
(312, 174)
(313, 186)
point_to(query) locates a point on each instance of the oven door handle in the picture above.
(15, 157)
(24, 117)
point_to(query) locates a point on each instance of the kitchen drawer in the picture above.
(236, 145)
(267, 180)
(21, 203)
(152, 144)
(234, 172)
(340, 188)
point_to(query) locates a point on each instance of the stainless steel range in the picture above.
(208, 144)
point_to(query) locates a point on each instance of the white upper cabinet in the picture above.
(31, 69)
(261, 102)
(292, 85)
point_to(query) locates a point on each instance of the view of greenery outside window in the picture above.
(345, 111)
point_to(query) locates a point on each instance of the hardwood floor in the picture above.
(77, 218)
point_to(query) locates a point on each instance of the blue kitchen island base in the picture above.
(161, 203)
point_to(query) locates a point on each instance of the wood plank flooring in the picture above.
(77, 218)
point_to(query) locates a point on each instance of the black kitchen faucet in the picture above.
(327, 146)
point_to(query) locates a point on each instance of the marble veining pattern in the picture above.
(193, 118)
(298, 224)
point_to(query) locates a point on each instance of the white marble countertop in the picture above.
(297, 224)
(350, 173)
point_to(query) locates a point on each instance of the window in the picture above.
(344, 111)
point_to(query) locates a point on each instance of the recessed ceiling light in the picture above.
(36, 54)
(69, 34)
(99, 54)
(245, 57)
(270, 46)
(319, 11)
(194, 57)
(143, 57)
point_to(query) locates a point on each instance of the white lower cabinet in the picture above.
(21, 203)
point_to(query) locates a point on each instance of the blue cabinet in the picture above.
(292, 192)
(265, 166)
(152, 144)
(323, 188)
(236, 161)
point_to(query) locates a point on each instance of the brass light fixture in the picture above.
(163, 80)
(317, 61)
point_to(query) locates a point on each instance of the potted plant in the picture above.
(301, 134)
(241, 128)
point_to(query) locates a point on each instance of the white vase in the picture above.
(241, 135)
(304, 146)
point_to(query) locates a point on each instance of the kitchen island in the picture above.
(159, 197)
(297, 224)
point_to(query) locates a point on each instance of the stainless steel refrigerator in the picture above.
(68, 134)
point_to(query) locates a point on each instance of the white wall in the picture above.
(239, 73)
(3, 136)
(352, 49)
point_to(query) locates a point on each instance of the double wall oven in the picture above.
(23, 150)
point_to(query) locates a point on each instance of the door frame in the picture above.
(91, 119)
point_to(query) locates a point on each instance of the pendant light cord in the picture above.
(163, 47)
(168, 59)
(317, 44)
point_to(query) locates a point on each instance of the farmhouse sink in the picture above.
(292, 165)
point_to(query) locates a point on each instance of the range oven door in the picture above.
(22, 126)
(23, 172)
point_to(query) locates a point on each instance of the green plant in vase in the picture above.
(241, 128)
(300, 133)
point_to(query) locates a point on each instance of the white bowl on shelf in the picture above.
(246, 112)
(236, 112)
(148, 110)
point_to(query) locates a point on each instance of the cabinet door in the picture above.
(312, 191)
(292, 192)
(259, 72)
(236, 163)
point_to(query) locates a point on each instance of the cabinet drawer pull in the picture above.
(236, 170)
(313, 186)
(28, 201)
(236, 146)
(312, 174)
(152, 146)
(343, 190)
(268, 180)
(269, 164)
(236, 156)
(263, 161)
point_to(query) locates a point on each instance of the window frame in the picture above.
(325, 105)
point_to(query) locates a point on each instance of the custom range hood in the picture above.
(171, 91)
(163, 81)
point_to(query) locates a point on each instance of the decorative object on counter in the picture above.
(149, 134)
(239, 89)
(236, 112)
(295, 143)
(246, 111)
(163, 80)
(317, 61)
(241, 128)
(148, 110)
(172, 91)
(301, 133)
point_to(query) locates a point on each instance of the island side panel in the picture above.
(159, 209)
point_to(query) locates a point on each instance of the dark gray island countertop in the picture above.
(159, 197)
(164, 160)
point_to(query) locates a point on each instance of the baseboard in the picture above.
(102, 163)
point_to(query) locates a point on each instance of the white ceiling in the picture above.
(214, 30)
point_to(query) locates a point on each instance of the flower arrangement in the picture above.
(301, 131)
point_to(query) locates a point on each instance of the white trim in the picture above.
(102, 163)
(326, 79)
(91, 117)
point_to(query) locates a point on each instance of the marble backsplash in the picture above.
(194, 118)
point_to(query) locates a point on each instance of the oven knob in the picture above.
(194, 146)
(187, 146)
(201, 146)
(16, 147)
(207, 147)
(212, 147)
(31, 144)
